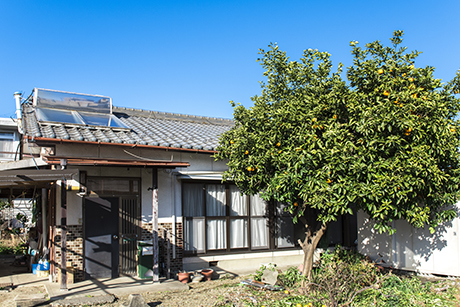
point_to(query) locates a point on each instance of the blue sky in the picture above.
(193, 57)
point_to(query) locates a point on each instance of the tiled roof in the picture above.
(145, 128)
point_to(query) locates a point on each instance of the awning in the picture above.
(34, 177)
(200, 175)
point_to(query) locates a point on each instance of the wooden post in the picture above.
(63, 235)
(155, 224)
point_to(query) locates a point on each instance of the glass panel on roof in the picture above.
(107, 120)
(72, 101)
(59, 116)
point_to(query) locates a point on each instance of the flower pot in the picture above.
(183, 277)
(207, 273)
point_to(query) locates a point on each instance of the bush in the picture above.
(341, 276)
(5, 249)
(290, 278)
(410, 291)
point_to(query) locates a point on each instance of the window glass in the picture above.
(258, 206)
(193, 232)
(238, 233)
(285, 232)
(215, 200)
(259, 232)
(217, 234)
(238, 202)
(193, 199)
(111, 185)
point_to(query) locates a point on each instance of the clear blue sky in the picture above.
(193, 57)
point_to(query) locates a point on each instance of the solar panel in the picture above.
(72, 101)
(75, 109)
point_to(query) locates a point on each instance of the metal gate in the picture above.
(130, 232)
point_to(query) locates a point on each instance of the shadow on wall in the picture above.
(407, 248)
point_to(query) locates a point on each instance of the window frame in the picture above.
(8, 136)
(270, 215)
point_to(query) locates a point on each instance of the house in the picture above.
(10, 150)
(108, 177)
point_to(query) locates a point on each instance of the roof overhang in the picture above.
(33, 177)
(54, 160)
(42, 141)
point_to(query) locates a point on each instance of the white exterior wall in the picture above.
(413, 249)
(170, 199)
(169, 185)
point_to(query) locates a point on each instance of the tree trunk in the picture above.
(309, 245)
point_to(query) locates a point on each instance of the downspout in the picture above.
(173, 213)
(17, 97)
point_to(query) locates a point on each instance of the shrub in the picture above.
(342, 275)
(290, 278)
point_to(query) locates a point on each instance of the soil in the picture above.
(7, 295)
(222, 292)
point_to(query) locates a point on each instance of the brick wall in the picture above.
(175, 264)
(74, 250)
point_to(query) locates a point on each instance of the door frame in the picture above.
(134, 192)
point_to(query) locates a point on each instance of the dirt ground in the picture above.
(7, 297)
(209, 293)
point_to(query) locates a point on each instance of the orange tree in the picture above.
(385, 142)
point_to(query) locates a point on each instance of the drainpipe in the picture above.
(173, 213)
(17, 97)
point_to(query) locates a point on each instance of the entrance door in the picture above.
(129, 234)
(101, 237)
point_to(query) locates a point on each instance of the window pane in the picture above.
(6, 148)
(280, 209)
(135, 186)
(238, 202)
(217, 235)
(215, 200)
(238, 233)
(259, 233)
(193, 199)
(257, 206)
(285, 232)
(108, 185)
(194, 235)
(7, 136)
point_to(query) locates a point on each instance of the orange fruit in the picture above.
(386, 93)
(380, 71)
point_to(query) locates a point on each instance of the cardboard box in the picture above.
(43, 273)
(70, 275)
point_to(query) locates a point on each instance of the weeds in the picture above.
(347, 278)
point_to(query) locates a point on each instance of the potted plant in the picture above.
(183, 277)
(207, 273)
